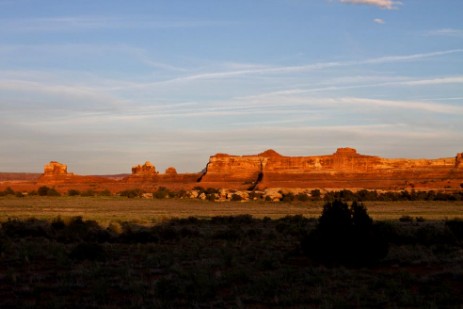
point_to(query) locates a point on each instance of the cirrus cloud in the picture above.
(384, 4)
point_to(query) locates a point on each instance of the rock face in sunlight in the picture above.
(146, 169)
(459, 160)
(55, 169)
(171, 171)
(269, 170)
(345, 168)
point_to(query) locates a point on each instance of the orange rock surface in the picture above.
(343, 169)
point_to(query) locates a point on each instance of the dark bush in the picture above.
(58, 224)
(28, 228)
(89, 230)
(138, 235)
(161, 193)
(88, 192)
(287, 197)
(181, 194)
(431, 235)
(315, 194)
(46, 191)
(199, 189)
(456, 227)
(43, 191)
(105, 193)
(302, 197)
(406, 218)
(211, 191)
(53, 192)
(8, 191)
(73, 192)
(345, 236)
(235, 197)
(131, 193)
(88, 251)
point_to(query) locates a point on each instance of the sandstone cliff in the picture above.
(146, 169)
(55, 168)
(343, 169)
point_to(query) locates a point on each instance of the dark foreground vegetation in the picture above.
(342, 260)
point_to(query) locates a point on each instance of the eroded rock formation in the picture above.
(171, 171)
(459, 160)
(146, 169)
(343, 169)
(55, 168)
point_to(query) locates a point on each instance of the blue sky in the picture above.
(104, 85)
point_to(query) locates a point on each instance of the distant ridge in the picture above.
(343, 169)
(7, 176)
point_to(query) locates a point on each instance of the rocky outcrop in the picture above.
(171, 171)
(56, 175)
(459, 160)
(55, 168)
(146, 169)
(345, 168)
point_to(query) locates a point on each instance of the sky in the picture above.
(105, 85)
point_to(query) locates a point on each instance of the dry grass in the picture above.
(148, 211)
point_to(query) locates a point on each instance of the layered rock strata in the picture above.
(343, 169)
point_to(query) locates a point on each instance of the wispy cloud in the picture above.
(260, 70)
(86, 23)
(436, 81)
(384, 4)
(404, 105)
(379, 21)
(449, 32)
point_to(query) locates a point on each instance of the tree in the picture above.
(345, 235)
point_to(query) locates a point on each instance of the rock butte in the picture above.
(344, 169)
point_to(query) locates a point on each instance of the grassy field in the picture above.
(147, 211)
